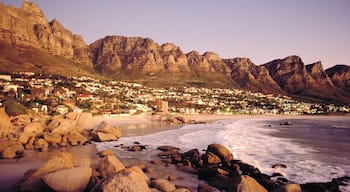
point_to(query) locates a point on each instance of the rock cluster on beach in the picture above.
(32, 132)
(216, 166)
(35, 132)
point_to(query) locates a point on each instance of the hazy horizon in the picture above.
(260, 30)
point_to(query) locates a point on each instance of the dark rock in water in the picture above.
(221, 151)
(168, 153)
(327, 186)
(137, 148)
(286, 123)
(193, 156)
(137, 143)
(276, 175)
(279, 165)
(211, 159)
(167, 148)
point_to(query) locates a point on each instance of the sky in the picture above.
(262, 30)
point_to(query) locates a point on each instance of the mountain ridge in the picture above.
(31, 42)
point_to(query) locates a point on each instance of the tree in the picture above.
(13, 108)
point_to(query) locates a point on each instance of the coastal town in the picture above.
(53, 94)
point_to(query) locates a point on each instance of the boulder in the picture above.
(139, 171)
(84, 121)
(167, 148)
(248, 184)
(8, 153)
(58, 162)
(41, 144)
(106, 128)
(211, 159)
(75, 138)
(106, 152)
(72, 115)
(127, 181)
(53, 138)
(35, 128)
(103, 137)
(109, 165)
(289, 188)
(163, 185)
(168, 153)
(61, 126)
(221, 151)
(24, 137)
(5, 125)
(69, 180)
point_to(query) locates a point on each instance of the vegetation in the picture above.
(14, 108)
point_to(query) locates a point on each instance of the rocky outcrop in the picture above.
(74, 179)
(250, 76)
(58, 162)
(27, 26)
(289, 73)
(340, 75)
(297, 78)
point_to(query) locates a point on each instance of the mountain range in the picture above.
(29, 42)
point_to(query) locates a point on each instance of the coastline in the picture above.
(14, 169)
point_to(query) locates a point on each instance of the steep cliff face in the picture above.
(305, 80)
(250, 76)
(27, 26)
(116, 53)
(289, 73)
(319, 76)
(340, 75)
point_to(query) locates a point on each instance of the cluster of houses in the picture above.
(56, 94)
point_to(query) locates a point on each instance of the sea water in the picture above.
(313, 149)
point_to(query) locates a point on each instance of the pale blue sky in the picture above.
(261, 30)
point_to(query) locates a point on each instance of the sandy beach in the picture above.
(13, 169)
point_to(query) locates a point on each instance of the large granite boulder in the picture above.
(221, 151)
(248, 184)
(163, 185)
(76, 138)
(58, 162)
(69, 180)
(109, 165)
(106, 128)
(53, 138)
(103, 137)
(35, 128)
(5, 125)
(127, 181)
(25, 137)
(61, 126)
(41, 144)
(10, 149)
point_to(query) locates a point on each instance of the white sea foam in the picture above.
(249, 141)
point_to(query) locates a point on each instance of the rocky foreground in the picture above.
(216, 166)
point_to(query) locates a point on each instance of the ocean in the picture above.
(314, 149)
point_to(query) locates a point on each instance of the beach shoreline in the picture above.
(86, 155)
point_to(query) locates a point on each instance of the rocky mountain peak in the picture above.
(340, 76)
(33, 13)
(211, 56)
(292, 59)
